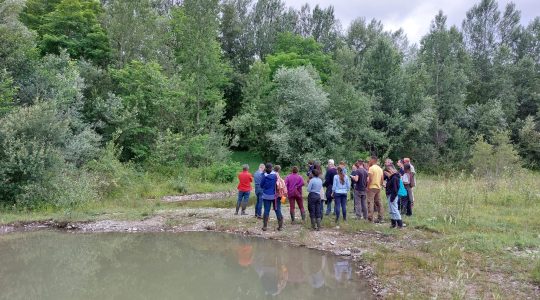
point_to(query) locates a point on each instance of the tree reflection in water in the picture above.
(52, 265)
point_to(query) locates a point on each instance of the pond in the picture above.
(59, 265)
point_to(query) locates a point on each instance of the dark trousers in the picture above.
(314, 205)
(341, 202)
(329, 199)
(405, 206)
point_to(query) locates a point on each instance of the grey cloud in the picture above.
(414, 16)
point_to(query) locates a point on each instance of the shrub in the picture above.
(39, 150)
(178, 184)
(223, 173)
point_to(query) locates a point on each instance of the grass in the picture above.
(252, 159)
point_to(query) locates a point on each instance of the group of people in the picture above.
(364, 184)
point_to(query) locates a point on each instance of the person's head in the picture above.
(277, 168)
(316, 173)
(390, 170)
(388, 162)
(373, 160)
(342, 164)
(310, 162)
(341, 175)
(317, 166)
(354, 167)
(407, 160)
(245, 167)
(407, 168)
(261, 167)
(268, 168)
(331, 163)
(295, 169)
(359, 163)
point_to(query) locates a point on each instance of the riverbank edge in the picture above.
(363, 268)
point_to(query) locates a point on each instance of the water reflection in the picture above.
(50, 265)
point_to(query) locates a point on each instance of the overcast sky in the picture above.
(414, 16)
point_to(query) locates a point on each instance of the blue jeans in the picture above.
(277, 207)
(393, 207)
(341, 201)
(243, 197)
(258, 205)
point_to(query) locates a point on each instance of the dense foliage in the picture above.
(162, 86)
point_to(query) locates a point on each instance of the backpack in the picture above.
(281, 188)
(402, 192)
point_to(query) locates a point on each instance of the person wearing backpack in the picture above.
(392, 194)
(269, 186)
(294, 184)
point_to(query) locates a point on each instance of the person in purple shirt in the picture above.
(294, 183)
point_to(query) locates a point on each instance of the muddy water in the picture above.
(54, 265)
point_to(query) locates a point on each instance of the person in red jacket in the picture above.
(244, 189)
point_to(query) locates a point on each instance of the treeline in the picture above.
(88, 88)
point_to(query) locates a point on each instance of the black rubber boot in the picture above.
(292, 218)
(394, 223)
(318, 220)
(244, 205)
(280, 224)
(313, 224)
(303, 214)
(265, 223)
(237, 208)
(399, 223)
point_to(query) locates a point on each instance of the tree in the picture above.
(18, 52)
(267, 23)
(152, 98)
(480, 32)
(7, 92)
(294, 51)
(136, 32)
(253, 120)
(529, 143)
(236, 41)
(304, 128)
(382, 79)
(74, 25)
(195, 27)
(443, 54)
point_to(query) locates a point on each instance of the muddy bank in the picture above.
(223, 220)
(195, 197)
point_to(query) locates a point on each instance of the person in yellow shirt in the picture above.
(375, 183)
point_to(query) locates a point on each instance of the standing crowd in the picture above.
(363, 185)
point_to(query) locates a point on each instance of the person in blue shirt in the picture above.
(340, 188)
(314, 200)
(268, 185)
(257, 177)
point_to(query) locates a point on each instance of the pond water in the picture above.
(56, 265)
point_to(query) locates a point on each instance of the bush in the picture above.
(112, 173)
(179, 185)
(39, 152)
(495, 159)
(223, 173)
(536, 273)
